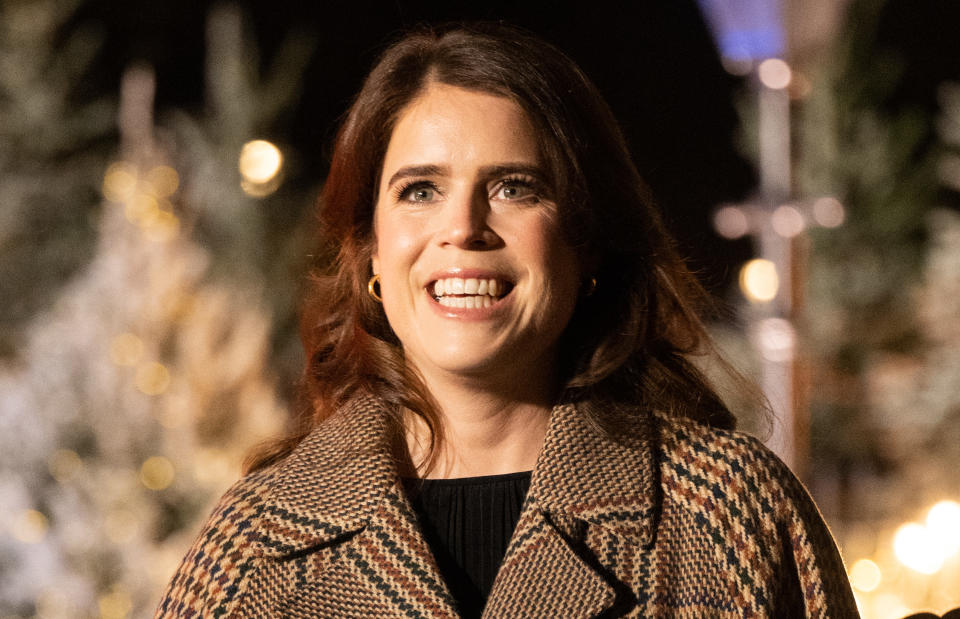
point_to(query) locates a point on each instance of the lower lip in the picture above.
(471, 313)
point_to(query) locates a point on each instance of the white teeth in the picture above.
(471, 302)
(471, 286)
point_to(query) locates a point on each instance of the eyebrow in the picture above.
(502, 169)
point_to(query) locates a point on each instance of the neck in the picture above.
(486, 431)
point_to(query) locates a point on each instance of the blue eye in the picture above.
(516, 190)
(420, 191)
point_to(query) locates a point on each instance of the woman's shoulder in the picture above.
(222, 553)
(730, 471)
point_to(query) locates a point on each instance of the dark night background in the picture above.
(654, 61)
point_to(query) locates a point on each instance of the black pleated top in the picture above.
(467, 523)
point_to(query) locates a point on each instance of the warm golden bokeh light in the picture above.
(260, 161)
(943, 523)
(865, 575)
(115, 605)
(120, 525)
(126, 349)
(152, 378)
(759, 280)
(164, 181)
(64, 465)
(141, 209)
(119, 182)
(30, 527)
(157, 473)
(774, 73)
(917, 549)
(163, 227)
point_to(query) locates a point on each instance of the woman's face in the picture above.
(475, 275)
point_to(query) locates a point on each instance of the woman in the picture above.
(501, 416)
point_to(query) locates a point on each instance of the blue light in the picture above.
(746, 30)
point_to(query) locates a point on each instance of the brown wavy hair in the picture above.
(628, 343)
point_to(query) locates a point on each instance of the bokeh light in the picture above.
(943, 523)
(120, 181)
(829, 212)
(731, 222)
(157, 473)
(30, 526)
(917, 549)
(120, 525)
(126, 349)
(260, 162)
(759, 280)
(152, 378)
(164, 181)
(775, 338)
(787, 221)
(64, 465)
(774, 73)
(115, 605)
(865, 575)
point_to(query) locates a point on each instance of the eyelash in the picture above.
(519, 181)
(402, 190)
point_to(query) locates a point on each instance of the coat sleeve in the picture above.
(812, 579)
(215, 570)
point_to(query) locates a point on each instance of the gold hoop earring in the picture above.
(372, 288)
(591, 287)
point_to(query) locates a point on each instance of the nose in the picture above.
(466, 223)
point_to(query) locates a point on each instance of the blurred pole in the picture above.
(773, 331)
(751, 38)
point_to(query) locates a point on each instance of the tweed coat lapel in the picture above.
(582, 479)
(339, 497)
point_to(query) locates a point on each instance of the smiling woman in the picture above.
(500, 411)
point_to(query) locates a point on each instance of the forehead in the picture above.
(448, 124)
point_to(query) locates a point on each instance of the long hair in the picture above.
(629, 342)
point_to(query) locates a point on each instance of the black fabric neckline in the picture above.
(467, 522)
(467, 481)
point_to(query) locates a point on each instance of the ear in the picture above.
(375, 264)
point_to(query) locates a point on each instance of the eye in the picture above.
(516, 190)
(418, 191)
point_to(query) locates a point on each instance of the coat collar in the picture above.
(335, 480)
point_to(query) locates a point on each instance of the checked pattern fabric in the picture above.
(675, 520)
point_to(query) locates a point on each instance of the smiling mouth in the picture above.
(469, 292)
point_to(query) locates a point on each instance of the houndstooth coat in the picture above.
(680, 521)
